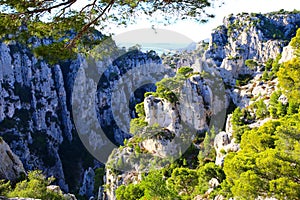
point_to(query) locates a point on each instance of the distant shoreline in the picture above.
(159, 48)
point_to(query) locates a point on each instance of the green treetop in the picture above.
(67, 21)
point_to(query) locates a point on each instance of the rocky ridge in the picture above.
(253, 37)
(35, 105)
(35, 108)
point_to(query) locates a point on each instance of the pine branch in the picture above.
(87, 26)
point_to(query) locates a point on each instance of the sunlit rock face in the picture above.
(36, 106)
(36, 98)
(242, 37)
(171, 128)
(249, 36)
(33, 109)
(287, 54)
(11, 168)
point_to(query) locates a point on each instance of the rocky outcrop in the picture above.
(87, 187)
(256, 89)
(171, 128)
(11, 168)
(287, 54)
(257, 37)
(249, 36)
(224, 143)
(34, 116)
(36, 106)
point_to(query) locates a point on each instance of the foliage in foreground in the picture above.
(34, 186)
(69, 27)
(268, 163)
(172, 182)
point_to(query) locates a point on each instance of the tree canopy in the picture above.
(268, 162)
(34, 186)
(68, 21)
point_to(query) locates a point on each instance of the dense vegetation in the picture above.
(268, 163)
(34, 186)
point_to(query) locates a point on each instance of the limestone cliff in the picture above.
(36, 98)
(36, 107)
(11, 168)
(250, 36)
(243, 38)
(171, 128)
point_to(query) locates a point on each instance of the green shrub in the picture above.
(222, 151)
(261, 109)
(35, 186)
(168, 88)
(243, 79)
(5, 187)
(251, 63)
(266, 161)
(183, 181)
(289, 79)
(275, 64)
(137, 125)
(98, 180)
(265, 76)
(238, 132)
(206, 173)
(140, 109)
(147, 94)
(269, 63)
(273, 104)
(130, 192)
(238, 120)
(184, 70)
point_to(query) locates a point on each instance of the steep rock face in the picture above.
(167, 123)
(128, 73)
(160, 111)
(223, 144)
(257, 37)
(198, 101)
(287, 54)
(249, 36)
(34, 117)
(35, 107)
(88, 183)
(10, 165)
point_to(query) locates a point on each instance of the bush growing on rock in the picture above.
(5, 187)
(35, 186)
(251, 63)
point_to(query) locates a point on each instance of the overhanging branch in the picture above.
(87, 26)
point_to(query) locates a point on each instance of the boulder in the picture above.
(11, 168)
